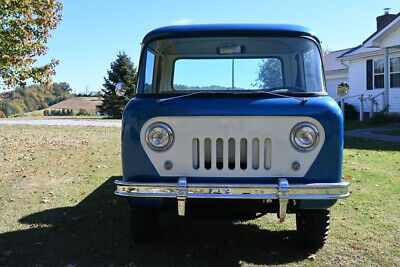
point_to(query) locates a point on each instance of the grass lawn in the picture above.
(356, 124)
(57, 208)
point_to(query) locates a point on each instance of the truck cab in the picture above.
(232, 121)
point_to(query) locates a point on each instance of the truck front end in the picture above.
(232, 121)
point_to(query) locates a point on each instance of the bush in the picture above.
(83, 112)
(383, 117)
(57, 112)
(2, 115)
(350, 111)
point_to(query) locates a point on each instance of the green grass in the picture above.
(58, 208)
(356, 124)
(369, 123)
(395, 132)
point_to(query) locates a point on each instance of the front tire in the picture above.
(143, 223)
(313, 227)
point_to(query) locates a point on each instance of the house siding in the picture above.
(393, 39)
(358, 85)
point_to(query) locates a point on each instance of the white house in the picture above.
(370, 69)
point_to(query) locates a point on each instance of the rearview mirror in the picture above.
(120, 89)
(342, 89)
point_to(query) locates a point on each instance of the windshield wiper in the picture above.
(161, 100)
(301, 99)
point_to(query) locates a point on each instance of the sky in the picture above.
(92, 32)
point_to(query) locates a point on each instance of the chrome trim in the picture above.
(283, 191)
(297, 127)
(170, 133)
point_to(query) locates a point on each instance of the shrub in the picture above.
(383, 116)
(350, 112)
(55, 112)
(83, 112)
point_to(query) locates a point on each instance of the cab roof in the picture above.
(221, 30)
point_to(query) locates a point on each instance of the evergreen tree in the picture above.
(122, 70)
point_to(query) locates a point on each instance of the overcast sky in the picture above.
(93, 31)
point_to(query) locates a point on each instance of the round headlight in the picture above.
(305, 136)
(159, 136)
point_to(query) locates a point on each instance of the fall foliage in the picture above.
(25, 29)
(33, 97)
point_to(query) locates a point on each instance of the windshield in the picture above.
(234, 64)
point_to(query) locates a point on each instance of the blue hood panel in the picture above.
(326, 168)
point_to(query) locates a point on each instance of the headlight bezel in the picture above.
(167, 128)
(296, 128)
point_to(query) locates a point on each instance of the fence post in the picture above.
(342, 106)
(371, 109)
(362, 107)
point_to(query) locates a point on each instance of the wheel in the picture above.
(143, 223)
(313, 227)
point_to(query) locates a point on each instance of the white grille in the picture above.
(232, 146)
(231, 153)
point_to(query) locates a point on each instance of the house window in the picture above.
(395, 72)
(378, 73)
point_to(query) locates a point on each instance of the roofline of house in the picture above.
(378, 32)
(369, 54)
(343, 56)
(350, 50)
(338, 71)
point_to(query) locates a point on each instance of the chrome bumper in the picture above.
(281, 191)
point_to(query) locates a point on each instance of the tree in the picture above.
(25, 29)
(121, 70)
(269, 74)
(33, 97)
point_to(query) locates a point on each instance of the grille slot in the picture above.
(220, 154)
(232, 153)
(267, 154)
(255, 153)
(195, 153)
(207, 153)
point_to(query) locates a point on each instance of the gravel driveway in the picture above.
(61, 123)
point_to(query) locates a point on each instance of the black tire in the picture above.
(313, 227)
(143, 223)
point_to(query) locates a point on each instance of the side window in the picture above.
(395, 72)
(378, 73)
(149, 72)
(311, 76)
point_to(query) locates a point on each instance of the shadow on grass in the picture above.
(369, 144)
(96, 232)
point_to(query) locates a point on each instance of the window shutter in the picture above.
(369, 74)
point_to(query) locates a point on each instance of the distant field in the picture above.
(76, 103)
